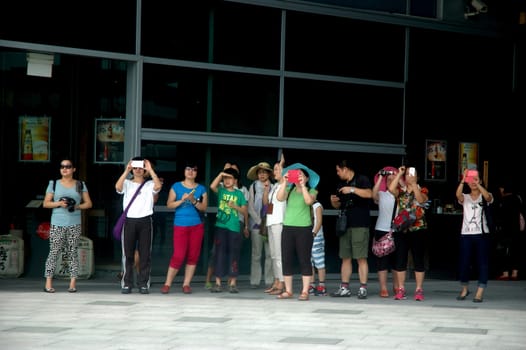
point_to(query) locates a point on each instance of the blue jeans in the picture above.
(477, 246)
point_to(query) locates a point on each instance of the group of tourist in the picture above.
(281, 215)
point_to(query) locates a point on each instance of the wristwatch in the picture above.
(352, 189)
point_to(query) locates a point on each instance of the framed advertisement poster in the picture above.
(436, 160)
(34, 139)
(109, 141)
(468, 157)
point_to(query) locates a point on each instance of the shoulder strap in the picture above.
(80, 186)
(134, 196)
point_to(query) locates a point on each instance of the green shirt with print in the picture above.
(228, 217)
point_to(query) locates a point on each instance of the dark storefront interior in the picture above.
(218, 81)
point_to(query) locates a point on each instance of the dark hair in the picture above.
(68, 159)
(344, 164)
(189, 163)
(233, 172)
(138, 158)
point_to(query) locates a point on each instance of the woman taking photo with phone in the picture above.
(474, 235)
(138, 229)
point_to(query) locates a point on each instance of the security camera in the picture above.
(479, 5)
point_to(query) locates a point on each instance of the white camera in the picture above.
(479, 5)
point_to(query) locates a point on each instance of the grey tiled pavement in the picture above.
(99, 317)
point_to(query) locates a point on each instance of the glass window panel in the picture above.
(353, 112)
(95, 24)
(176, 29)
(247, 36)
(174, 98)
(343, 47)
(245, 104)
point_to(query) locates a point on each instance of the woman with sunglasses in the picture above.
(66, 197)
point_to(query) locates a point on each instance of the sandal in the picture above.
(277, 291)
(49, 290)
(285, 295)
(270, 289)
(303, 296)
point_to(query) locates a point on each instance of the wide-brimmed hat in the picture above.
(252, 173)
(314, 178)
(383, 184)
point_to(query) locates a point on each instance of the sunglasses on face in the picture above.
(66, 166)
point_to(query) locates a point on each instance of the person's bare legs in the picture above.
(322, 273)
(306, 284)
(73, 283)
(346, 270)
(170, 275)
(382, 280)
(419, 279)
(288, 284)
(189, 272)
(49, 282)
(363, 270)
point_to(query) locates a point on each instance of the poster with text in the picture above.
(34, 142)
(468, 157)
(436, 160)
(109, 140)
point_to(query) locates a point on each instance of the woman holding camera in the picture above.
(66, 197)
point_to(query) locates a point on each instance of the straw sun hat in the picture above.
(252, 173)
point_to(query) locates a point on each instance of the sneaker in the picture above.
(419, 295)
(144, 290)
(216, 289)
(126, 290)
(187, 290)
(233, 289)
(321, 291)
(165, 289)
(312, 290)
(400, 294)
(208, 285)
(362, 293)
(342, 292)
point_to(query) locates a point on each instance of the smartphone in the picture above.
(411, 171)
(470, 176)
(294, 176)
(137, 164)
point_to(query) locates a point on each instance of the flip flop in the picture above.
(285, 295)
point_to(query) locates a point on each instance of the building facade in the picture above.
(243, 81)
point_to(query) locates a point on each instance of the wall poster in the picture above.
(109, 141)
(34, 139)
(468, 157)
(436, 160)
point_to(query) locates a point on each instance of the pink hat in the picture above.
(383, 184)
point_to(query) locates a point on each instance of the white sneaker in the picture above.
(342, 292)
(362, 293)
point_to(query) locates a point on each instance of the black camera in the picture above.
(386, 172)
(70, 202)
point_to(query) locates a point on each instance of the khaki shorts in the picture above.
(354, 243)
